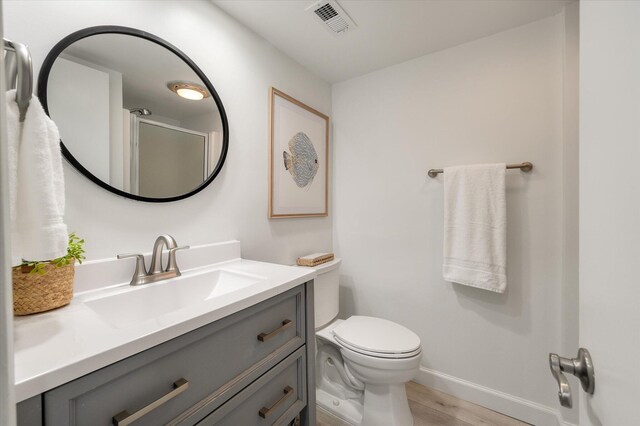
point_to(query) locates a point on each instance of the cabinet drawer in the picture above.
(195, 372)
(274, 399)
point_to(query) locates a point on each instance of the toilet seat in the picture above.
(377, 337)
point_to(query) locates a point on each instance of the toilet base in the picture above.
(349, 410)
(383, 406)
(386, 405)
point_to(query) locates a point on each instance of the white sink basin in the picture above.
(152, 301)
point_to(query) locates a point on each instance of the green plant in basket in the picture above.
(75, 250)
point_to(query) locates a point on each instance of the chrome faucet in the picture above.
(156, 256)
(156, 273)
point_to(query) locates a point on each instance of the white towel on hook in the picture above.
(475, 226)
(37, 187)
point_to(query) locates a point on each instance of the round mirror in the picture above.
(135, 114)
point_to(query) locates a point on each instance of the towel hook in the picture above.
(19, 72)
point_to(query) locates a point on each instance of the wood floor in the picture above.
(433, 408)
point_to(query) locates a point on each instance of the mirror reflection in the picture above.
(135, 115)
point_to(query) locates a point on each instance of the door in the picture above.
(159, 174)
(610, 210)
(7, 407)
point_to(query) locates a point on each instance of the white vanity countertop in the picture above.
(55, 347)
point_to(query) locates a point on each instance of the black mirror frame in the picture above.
(43, 78)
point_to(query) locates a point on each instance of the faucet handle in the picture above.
(141, 269)
(173, 265)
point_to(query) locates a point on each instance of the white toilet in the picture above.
(362, 363)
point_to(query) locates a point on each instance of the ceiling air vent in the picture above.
(332, 16)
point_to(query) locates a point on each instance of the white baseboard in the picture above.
(513, 406)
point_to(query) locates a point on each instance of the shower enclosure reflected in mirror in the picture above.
(135, 114)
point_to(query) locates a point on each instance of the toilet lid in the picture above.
(376, 336)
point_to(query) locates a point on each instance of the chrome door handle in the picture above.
(124, 418)
(564, 393)
(266, 412)
(580, 366)
(263, 337)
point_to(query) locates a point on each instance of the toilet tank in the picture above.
(327, 292)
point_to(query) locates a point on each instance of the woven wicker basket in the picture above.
(33, 293)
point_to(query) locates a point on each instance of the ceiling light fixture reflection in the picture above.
(191, 91)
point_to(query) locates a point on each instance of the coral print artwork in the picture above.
(298, 161)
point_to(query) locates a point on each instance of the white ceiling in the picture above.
(389, 31)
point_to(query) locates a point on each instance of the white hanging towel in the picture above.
(36, 185)
(475, 226)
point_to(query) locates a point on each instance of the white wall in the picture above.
(116, 172)
(497, 99)
(242, 67)
(79, 101)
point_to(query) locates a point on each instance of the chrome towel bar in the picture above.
(525, 167)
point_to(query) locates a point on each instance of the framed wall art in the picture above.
(299, 155)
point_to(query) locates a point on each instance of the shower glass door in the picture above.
(155, 149)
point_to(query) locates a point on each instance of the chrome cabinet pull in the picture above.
(124, 418)
(266, 412)
(263, 337)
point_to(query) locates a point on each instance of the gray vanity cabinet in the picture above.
(250, 368)
(276, 397)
